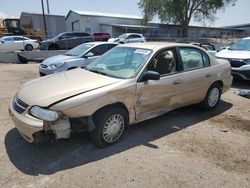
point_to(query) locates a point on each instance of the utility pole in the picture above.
(44, 21)
(48, 6)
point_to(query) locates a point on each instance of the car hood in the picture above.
(58, 58)
(233, 54)
(50, 89)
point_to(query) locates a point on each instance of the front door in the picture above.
(157, 97)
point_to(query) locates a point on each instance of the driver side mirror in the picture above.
(150, 75)
(60, 38)
(90, 54)
(2, 41)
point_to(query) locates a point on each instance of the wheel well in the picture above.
(219, 82)
(118, 104)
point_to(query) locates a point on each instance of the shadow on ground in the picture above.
(49, 158)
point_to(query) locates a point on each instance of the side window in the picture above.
(191, 58)
(206, 59)
(18, 38)
(164, 62)
(82, 35)
(134, 36)
(99, 50)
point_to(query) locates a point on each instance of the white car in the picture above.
(238, 54)
(128, 38)
(12, 43)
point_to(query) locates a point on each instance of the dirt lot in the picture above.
(184, 148)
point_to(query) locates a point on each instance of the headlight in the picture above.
(44, 114)
(56, 65)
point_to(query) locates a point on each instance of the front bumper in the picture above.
(46, 71)
(26, 125)
(242, 73)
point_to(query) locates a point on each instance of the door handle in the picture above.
(176, 82)
(208, 75)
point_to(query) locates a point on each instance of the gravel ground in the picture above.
(183, 148)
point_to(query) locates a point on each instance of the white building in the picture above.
(116, 24)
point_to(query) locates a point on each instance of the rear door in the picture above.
(195, 75)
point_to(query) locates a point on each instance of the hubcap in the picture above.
(213, 96)
(113, 128)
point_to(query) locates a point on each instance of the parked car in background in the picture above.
(12, 43)
(101, 36)
(128, 38)
(205, 46)
(79, 56)
(128, 84)
(238, 54)
(66, 40)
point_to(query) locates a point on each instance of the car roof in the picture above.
(157, 45)
(101, 42)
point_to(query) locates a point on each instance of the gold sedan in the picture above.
(128, 84)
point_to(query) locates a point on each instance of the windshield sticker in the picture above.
(140, 51)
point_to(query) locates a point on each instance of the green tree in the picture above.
(181, 11)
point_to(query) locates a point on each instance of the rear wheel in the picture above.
(212, 97)
(28, 47)
(110, 126)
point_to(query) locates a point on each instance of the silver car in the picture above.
(79, 56)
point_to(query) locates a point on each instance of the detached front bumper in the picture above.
(26, 125)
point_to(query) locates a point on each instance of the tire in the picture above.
(212, 98)
(53, 47)
(106, 121)
(28, 47)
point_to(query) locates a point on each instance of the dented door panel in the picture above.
(156, 97)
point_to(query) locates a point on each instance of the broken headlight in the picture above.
(44, 114)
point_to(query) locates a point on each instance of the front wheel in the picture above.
(110, 125)
(212, 97)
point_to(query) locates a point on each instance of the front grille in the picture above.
(43, 66)
(237, 63)
(19, 105)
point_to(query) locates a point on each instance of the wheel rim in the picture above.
(113, 128)
(213, 96)
(28, 47)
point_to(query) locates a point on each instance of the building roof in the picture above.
(34, 13)
(103, 14)
(239, 26)
(132, 26)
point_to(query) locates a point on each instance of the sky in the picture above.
(231, 15)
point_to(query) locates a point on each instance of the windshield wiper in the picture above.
(97, 71)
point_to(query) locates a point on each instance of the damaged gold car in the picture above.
(126, 85)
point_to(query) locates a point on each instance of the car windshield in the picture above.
(79, 50)
(241, 45)
(123, 36)
(120, 62)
